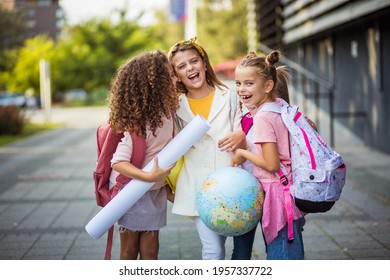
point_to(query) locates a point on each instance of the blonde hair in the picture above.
(281, 87)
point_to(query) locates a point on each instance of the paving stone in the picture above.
(43, 212)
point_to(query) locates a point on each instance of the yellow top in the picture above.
(201, 106)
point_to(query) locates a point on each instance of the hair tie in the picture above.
(191, 41)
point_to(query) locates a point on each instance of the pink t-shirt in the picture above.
(154, 144)
(269, 127)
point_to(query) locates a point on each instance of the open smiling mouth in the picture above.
(245, 97)
(193, 76)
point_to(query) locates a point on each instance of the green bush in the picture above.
(12, 120)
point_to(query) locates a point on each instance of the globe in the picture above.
(230, 201)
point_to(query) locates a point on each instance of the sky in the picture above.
(81, 10)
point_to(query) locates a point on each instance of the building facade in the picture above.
(338, 53)
(39, 16)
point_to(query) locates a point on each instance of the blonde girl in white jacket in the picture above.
(203, 93)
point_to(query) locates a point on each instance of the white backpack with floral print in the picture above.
(318, 172)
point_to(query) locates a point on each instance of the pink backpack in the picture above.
(318, 172)
(107, 142)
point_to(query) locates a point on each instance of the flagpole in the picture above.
(190, 24)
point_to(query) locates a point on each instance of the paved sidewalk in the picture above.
(46, 199)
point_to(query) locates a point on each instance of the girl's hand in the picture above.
(313, 125)
(157, 173)
(170, 194)
(233, 141)
(238, 159)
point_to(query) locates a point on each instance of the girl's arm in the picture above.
(268, 161)
(129, 170)
(235, 140)
(313, 125)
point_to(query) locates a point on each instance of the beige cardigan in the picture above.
(204, 156)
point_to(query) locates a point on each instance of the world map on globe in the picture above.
(230, 201)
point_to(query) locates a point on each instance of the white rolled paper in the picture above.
(134, 190)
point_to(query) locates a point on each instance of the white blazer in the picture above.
(204, 157)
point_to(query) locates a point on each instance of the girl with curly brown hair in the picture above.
(142, 99)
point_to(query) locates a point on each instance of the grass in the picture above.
(28, 130)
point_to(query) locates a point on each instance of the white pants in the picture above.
(213, 244)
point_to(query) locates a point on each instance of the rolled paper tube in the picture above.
(134, 190)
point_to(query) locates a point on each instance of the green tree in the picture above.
(87, 55)
(11, 37)
(25, 74)
(165, 31)
(92, 51)
(8, 61)
(222, 31)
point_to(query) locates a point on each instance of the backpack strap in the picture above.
(137, 158)
(271, 107)
(110, 238)
(247, 122)
(290, 118)
(282, 174)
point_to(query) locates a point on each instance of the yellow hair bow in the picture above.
(191, 41)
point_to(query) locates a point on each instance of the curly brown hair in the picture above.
(142, 93)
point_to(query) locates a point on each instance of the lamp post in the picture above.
(44, 71)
